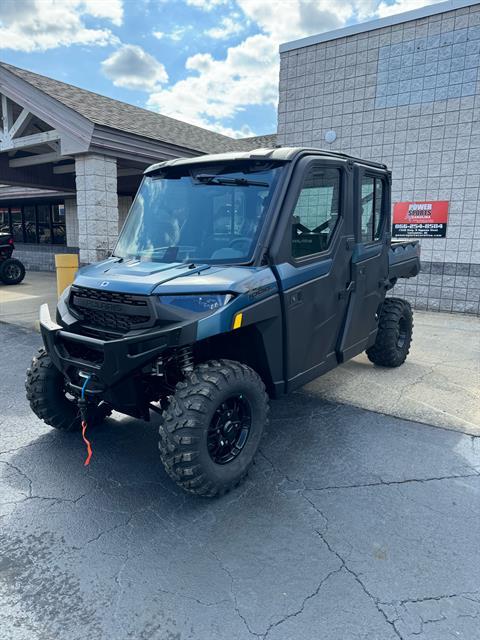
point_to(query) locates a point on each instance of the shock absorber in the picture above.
(185, 359)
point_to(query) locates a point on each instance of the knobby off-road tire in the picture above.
(12, 271)
(45, 388)
(189, 437)
(394, 334)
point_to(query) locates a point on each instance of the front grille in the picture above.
(110, 310)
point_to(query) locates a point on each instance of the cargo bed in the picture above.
(404, 260)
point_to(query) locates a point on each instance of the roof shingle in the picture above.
(268, 141)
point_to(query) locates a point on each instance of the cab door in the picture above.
(371, 213)
(312, 263)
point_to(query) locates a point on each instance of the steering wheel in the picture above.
(241, 240)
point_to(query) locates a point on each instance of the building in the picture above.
(71, 161)
(404, 90)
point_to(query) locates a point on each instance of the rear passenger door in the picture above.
(369, 261)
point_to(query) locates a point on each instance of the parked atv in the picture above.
(12, 270)
(236, 277)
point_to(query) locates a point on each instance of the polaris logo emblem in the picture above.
(105, 283)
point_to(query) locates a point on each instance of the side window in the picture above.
(316, 212)
(372, 208)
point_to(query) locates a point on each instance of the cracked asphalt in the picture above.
(351, 525)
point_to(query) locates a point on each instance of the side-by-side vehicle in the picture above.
(12, 271)
(236, 277)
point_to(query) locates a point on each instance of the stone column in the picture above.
(71, 222)
(97, 206)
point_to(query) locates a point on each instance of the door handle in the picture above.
(296, 298)
(348, 289)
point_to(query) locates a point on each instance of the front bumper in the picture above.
(111, 361)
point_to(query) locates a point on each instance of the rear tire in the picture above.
(394, 334)
(212, 427)
(45, 387)
(12, 271)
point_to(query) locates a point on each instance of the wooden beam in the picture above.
(55, 146)
(6, 114)
(29, 141)
(64, 168)
(20, 123)
(29, 161)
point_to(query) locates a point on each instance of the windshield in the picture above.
(209, 214)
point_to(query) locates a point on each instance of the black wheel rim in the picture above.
(12, 271)
(402, 333)
(229, 429)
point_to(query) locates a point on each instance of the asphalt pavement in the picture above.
(351, 525)
(20, 304)
(439, 384)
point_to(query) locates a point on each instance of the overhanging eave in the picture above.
(128, 146)
(75, 130)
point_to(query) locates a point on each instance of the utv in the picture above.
(236, 277)
(12, 270)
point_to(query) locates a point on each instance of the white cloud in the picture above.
(133, 68)
(38, 25)
(109, 9)
(176, 34)
(206, 5)
(296, 18)
(400, 6)
(228, 27)
(220, 89)
(243, 132)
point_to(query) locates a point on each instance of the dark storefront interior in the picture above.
(34, 222)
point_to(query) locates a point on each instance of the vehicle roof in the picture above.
(282, 154)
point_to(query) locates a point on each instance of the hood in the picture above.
(145, 278)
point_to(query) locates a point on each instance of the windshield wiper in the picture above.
(204, 178)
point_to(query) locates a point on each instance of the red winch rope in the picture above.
(87, 442)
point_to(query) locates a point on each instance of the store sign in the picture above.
(420, 219)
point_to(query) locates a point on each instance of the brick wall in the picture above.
(37, 257)
(407, 95)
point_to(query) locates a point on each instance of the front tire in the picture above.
(45, 387)
(394, 335)
(212, 427)
(12, 271)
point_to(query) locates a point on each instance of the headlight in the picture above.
(198, 303)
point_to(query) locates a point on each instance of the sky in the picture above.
(213, 63)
